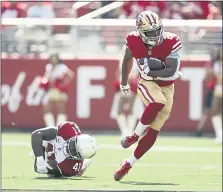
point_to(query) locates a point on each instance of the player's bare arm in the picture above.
(126, 66)
(46, 134)
(171, 67)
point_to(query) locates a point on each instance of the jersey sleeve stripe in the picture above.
(178, 43)
(177, 48)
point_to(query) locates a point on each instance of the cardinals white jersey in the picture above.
(58, 150)
(55, 150)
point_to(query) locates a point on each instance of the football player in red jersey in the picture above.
(62, 150)
(155, 87)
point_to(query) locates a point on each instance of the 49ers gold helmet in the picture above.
(150, 28)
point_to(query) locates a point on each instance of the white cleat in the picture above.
(86, 164)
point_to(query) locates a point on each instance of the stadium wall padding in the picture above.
(91, 95)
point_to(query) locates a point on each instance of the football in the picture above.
(153, 63)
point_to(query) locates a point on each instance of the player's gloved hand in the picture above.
(145, 67)
(146, 70)
(125, 88)
(42, 166)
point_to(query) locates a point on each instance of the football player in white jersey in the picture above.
(62, 150)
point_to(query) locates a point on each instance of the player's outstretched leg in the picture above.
(147, 118)
(144, 144)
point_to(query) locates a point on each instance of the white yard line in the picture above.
(47, 184)
(104, 190)
(155, 148)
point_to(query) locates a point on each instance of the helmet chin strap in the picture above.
(67, 151)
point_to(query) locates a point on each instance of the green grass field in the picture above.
(174, 164)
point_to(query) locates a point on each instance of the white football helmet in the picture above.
(150, 28)
(86, 146)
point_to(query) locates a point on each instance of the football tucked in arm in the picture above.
(152, 63)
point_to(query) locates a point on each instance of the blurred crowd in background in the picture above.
(105, 39)
(166, 9)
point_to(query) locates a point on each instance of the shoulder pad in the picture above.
(131, 36)
(174, 41)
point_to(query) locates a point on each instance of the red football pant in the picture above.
(151, 112)
(146, 142)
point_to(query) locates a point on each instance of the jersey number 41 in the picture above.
(77, 166)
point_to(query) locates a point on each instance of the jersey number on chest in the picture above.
(77, 166)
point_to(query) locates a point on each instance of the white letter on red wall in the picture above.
(34, 93)
(195, 76)
(86, 91)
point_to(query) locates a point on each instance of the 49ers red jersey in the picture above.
(171, 43)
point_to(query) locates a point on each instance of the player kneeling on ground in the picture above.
(62, 150)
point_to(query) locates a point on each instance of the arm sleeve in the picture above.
(177, 45)
(175, 54)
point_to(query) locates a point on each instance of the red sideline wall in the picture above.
(92, 93)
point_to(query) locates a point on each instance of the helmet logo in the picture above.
(139, 22)
(154, 25)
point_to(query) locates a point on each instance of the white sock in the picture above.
(121, 120)
(217, 125)
(61, 117)
(49, 119)
(86, 164)
(132, 160)
(140, 128)
(131, 119)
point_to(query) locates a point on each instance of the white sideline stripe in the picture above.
(47, 184)
(155, 148)
(210, 167)
(97, 190)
